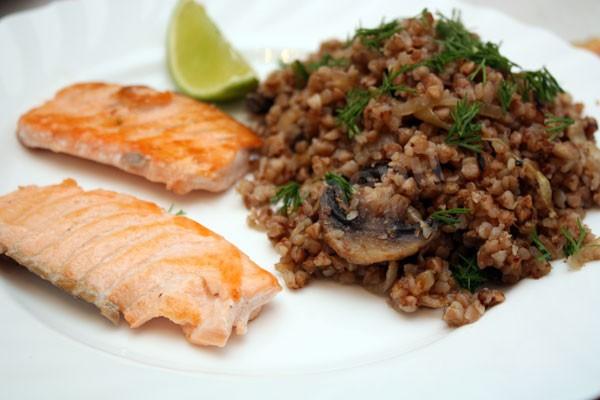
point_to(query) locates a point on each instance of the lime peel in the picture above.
(201, 61)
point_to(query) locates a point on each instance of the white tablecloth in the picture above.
(573, 20)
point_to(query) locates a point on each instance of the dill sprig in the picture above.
(409, 67)
(350, 114)
(467, 273)
(302, 70)
(540, 84)
(171, 210)
(505, 94)
(446, 216)
(341, 182)
(556, 125)
(488, 53)
(374, 37)
(464, 132)
(289, 196)
(458, 43)
(390, 88)
(544, 253)
(327, 60)
(357, 100)
(424, 16)
(573, 245)
(300, 73)
(481, 68)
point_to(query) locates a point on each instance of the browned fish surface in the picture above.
(129, 256)
(162, 136)
(592, 45)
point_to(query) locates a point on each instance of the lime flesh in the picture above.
(201, 62)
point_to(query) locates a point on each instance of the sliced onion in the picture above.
(411, 106)
(427, 115)
(390, 277)
(589, 252)
(422, 108)
(448, 101)
(576, 133)
(500, 142)
(543, 185)
(491, 111)
(485, 109)
(415, 216)
(577, 136)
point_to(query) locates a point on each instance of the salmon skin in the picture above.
(162, 136)
(133, 258)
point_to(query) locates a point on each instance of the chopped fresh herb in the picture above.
(467, 273)
(289, 196)
(480, 69)
(328, 61)
(573, 246)
(458, 43)
(350, 114)
(409, 67)
(489, 54)
(348, 42)
(505, 93)
(357, 100)
(300, 74)
(446, 216)
(544, 253)
(556, 125)
(464, 132)
(540, 84)
(390, 88)
(303, 70)
(172, 209)
(451, 28)
(374, 37)
(424, 17)
(282, 64)
(334, 179)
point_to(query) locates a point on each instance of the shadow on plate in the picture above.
(24, 284)
(76, 168)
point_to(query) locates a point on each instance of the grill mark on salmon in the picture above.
(162, 136)
(80, 237)
(132, 258)
(31, 200)
(126, 262)
(40, 204)
(72, 214)
(51, 237)
(59, 231)
(80, 268)
(58, 208)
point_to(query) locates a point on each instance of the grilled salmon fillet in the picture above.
(131, 257)
(162, 136)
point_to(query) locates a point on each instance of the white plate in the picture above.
(323, 341)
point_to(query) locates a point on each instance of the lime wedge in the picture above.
(201, 62)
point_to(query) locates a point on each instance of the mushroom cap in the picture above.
(368, 239)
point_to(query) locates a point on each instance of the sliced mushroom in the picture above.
(258, 103)
(368, 239)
